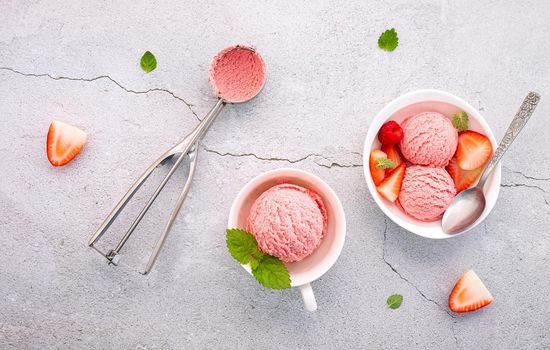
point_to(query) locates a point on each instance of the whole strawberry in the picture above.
(390, 133)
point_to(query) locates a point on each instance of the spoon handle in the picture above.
(520, 119)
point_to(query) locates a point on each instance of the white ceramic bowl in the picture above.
(303, 272)
(411, 104)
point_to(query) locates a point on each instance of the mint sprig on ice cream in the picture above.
(267, 269)
(460, 121)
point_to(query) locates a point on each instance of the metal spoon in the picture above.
(468, 205)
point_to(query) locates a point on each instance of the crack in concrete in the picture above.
(288, 160)
(527, 176)
(405, 279)
(136, 92)
(528, 186)
(454, 335)
(189, 106)
(229, 154)
(338, 165)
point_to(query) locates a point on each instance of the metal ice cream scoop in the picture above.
(468, 205)
(237, 75)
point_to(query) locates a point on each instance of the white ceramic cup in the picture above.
(303, 272)
(411, 104)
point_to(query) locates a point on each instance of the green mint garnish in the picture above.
(394, 301)
(148, 62)
(241, 244)
(460, 121)
(385, 163)
(256, 258)
(388, 40)
(272, 273)
(268, 270)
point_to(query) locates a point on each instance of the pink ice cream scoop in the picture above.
(237, 73)
(429, 138)
(426, 192)
(288, 222)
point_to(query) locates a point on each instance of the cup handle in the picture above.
(309, 298)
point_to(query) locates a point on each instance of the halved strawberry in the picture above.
(63, 143)
(473, 150)
(463, 178)
(394, 154)
(469, 294)
(390, 187)
(377, 174)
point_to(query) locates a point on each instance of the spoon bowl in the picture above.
(467, 206)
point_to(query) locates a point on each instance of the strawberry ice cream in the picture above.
(429, 138)
(426, 192)
(288, 222)
(237, 74)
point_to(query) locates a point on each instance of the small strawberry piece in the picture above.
(377, 174)
(473, 150)
(469, 294)
(63, 143)
(463, 178)
(394, 154)
(391, 186)
(390, 133)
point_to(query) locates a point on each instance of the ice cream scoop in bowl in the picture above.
(314, 265)
(401, 109)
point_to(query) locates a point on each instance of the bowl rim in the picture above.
(339, 241)
(417, 96)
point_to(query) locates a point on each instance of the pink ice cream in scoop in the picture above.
(237, 74)
(429, 138)
(426, 192)
(288, 222)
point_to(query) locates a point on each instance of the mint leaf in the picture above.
(254, 263)
(385, 163)
(258, 255)
(148, 62)
(394, 301)
(460, 121)
(268, 270)
(242, 245)
(255, 259)
(272, 273)
(388, 40)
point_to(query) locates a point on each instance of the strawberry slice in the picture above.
(463, 178)
(390, 187)
(473, 150)
(377, 174)
(394, 154)
(469, 294)
(63, 143)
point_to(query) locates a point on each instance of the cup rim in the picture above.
(413, 97)
(329, 195)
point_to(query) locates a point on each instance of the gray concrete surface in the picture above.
(78, 61)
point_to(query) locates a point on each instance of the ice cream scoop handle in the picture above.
(193, 159)
(309, 298)
(520, 119)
